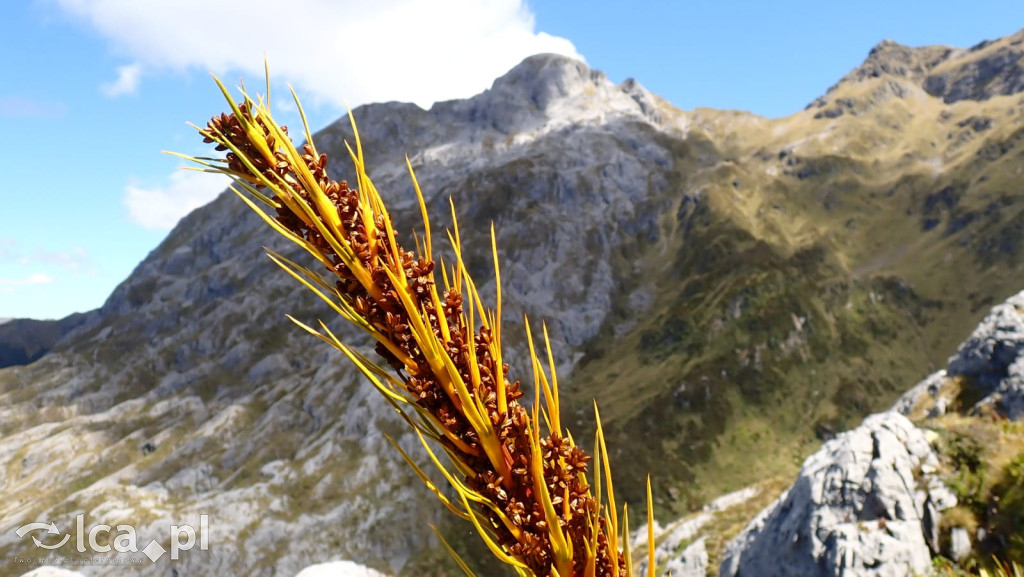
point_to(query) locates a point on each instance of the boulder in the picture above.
(930, 386)
(861, 506)
(680, 549)
(959, 543)
(993, 358)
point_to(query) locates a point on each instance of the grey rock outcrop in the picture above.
(991, 359)
(929, 387)
(681, 546)
(959, 543)
(860, 507)
(692, 562)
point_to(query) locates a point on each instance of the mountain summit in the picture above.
(984, 71)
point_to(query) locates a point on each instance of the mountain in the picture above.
(730, 288)
(189, 392)
(25, 340)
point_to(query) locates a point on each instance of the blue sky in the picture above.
(93, 90)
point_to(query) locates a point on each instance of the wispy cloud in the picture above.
(364, 51)
(11, 285)
(160, 208)
(18, 107)
(8, 248)
(32, 279)
(127, 81)
(76, 259)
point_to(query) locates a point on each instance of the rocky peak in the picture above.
(899, 66)
(895, 59)
(549, 91)
(543, 79)
(543, 94)
(988, 69)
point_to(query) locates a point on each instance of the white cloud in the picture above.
(32, 279)
(75, 259)
(127, 81)
(161, 208)
(336, 51)
(8, 247)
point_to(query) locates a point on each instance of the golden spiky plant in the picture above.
(1003, 569)
(1000, 568)
(516, 473)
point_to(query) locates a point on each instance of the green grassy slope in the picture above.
(816, 270)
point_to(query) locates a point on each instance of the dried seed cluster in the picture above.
(523, 528)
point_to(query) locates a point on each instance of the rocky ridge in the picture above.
(989, 69)
(25, 340)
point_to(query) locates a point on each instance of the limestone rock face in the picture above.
(991, 359)
(860, 507)
(692, 562)
(681, 547)
(930, 386)
(959, 543)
